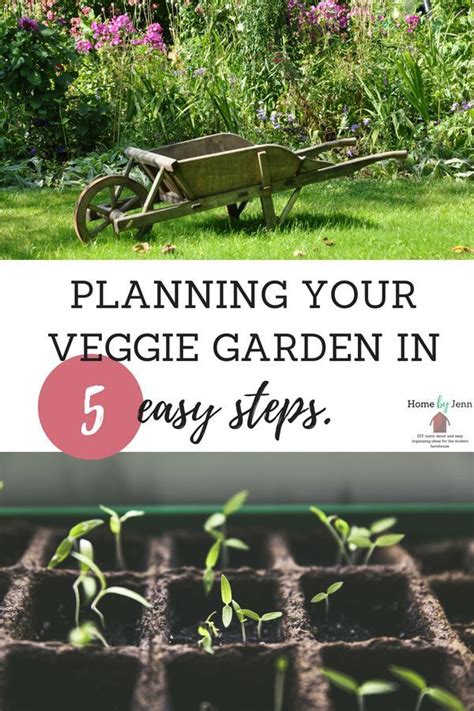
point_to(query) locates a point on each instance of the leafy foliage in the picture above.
(274, 70)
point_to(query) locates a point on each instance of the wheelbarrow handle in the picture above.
(321, 147)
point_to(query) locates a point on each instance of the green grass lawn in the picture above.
(345, 219)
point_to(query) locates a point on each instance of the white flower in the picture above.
(240, 27)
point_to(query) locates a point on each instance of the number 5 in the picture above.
(88, 408)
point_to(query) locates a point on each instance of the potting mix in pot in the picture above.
(111, 614)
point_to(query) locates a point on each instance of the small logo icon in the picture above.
(440, 422)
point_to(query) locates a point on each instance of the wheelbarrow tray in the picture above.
(225, 170)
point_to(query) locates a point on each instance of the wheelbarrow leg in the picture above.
(233, 212)
(269, 212)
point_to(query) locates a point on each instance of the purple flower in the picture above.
(366, 121)
(32, 152)
(291, 118)
(345, 110)
(29, 24)
(199, 72)
(467, 105)
(84, 46)
(355, 127)
(261, 113)
(154, 37)
(412, 21)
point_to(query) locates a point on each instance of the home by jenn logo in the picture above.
(438, 420)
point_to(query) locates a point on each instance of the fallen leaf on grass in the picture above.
(142, 247)
(299, 253)
(328, 242)
(168, 249)
(461, 248)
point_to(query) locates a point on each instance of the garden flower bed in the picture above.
(410, 607)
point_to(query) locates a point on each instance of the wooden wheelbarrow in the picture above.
(223, 170)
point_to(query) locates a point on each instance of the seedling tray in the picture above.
(412, 607)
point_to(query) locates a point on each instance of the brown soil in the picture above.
(387, 613)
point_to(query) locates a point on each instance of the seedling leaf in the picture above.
(269, 616)
(342, 681)
(361, 542)
(213, 555)
(334, 588)
(342, 527)
(251, 615)
(90, 587)
(370, 688)
(320, 597)
(131, 514)
(382, 525)
(62, 552)
(124, 592)
(85, 527)
(214, 521)
(226, 591)
(236, 543)
(108, 511)
(445, 699)
(410, 677)
(209, 577)
(226, 615)
(319, 514)
(390, 540)
(235, 502)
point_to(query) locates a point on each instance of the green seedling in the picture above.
(104, 590)
(384, 541)
(85, 581)
(338, 529)
(230, 606)
(266, 617)
(85, 635)
(226, 597)
(75, 534)
(216, 527)
(351, 540)
(115, 524)
(324, 596)
(281, 668)
(242, 618)
(208, 632)
(359, 691)
(440, 696)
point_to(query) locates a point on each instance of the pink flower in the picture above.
(83, 46)
(412, 21)
(86, 10)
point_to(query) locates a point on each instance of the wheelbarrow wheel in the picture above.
(105, 199)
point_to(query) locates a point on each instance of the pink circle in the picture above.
(89, 409)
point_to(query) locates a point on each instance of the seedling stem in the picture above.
(324, 596)
(281, 667)
(115, 524)
(216, 527)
